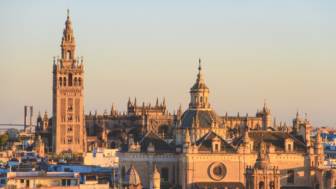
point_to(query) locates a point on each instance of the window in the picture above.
(123, 172)
(218, 171)
(164, 174)
(70, 104)
(64, 81)
(289, 147)
(261, 185)
(70, 79)
(68, 55)
(290, 176)
(79, 82)
(69, 117)
(69, 108)
(216, 147)
(75, 81)
(63, 182)
(60, 82)
(69, 140)
(271, 185)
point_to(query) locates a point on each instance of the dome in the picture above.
(200, 118)
(199, 86)
(132, 177)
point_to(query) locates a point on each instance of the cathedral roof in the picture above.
(152, 140)
(200, 118)
(158, 143)
(275, 138)
(205, 143)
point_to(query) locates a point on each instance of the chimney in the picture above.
(31, 116)
(25, 117)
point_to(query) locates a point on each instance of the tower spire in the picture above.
(199, 65)
(200, 79)
(68, 44)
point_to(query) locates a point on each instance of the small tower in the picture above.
(199, 92)
(155, 179)
(319, 150)
(296, 122)
(132, 179)
(39, 122)
(45, 121)
(265, 115)
(187, 145)
(247, 146)
(39, 146)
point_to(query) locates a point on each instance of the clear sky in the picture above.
(282, 51)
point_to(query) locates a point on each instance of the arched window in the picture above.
(271, 185)
(79, 81)
(60, 81)
(165, 174)
(64, 81)
(290, 176)
(68, 55)
(289, 147)
(75, 81)
(70, 79)
(261, 185)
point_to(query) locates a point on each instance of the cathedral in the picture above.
(212, 151)
(192, 148)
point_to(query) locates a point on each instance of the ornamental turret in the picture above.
(266, 116)
(132, 179)
(155, 179)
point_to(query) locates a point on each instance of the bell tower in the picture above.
(68, 97)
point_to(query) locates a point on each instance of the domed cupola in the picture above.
(199, 110)
(199, 92)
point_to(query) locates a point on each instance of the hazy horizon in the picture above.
(281, 51)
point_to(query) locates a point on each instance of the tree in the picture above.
(3, 139)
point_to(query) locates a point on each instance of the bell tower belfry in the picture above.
(68, 97)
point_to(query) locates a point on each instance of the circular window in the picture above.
(217, 171)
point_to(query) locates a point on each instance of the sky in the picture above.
(281, 51)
